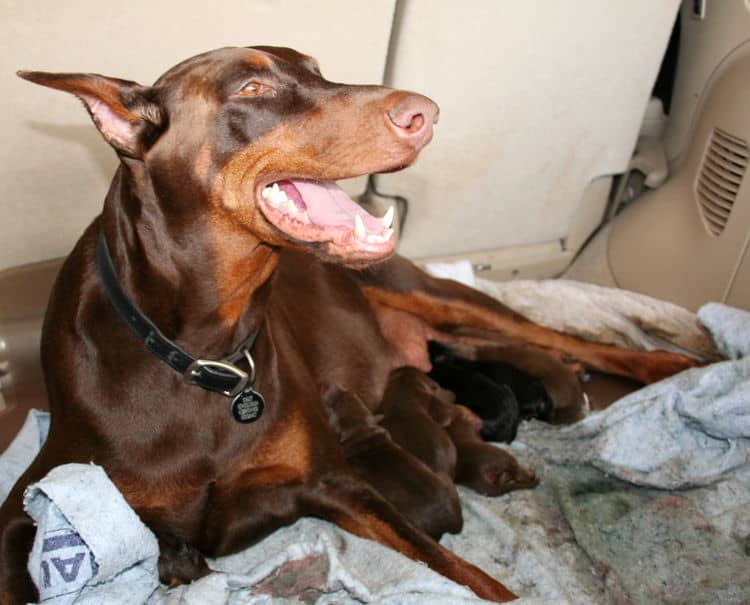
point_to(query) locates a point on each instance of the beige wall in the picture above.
(539, 98)
(54, 167)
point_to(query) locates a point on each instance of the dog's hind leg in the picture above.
(448, 306)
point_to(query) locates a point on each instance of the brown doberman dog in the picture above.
(222, 222)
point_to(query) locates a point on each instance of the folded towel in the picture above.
(90, 546)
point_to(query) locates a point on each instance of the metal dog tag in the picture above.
(247, 406)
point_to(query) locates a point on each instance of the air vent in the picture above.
(720, 177)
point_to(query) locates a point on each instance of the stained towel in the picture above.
(647, 501)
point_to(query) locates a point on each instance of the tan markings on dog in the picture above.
(238, 280)
(202, 164)
(269, 476)
(168, 493)
(367, 525)
(259, 59)
(234, 186)
(454, 312)
(288, 446)
(324, 155)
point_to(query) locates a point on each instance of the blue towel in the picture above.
(90, 546)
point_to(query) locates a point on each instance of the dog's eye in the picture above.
(256, 89)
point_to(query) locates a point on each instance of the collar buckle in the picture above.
(218, 376)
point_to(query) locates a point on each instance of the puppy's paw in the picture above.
(492, 471)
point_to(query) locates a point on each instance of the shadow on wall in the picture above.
(84, 135)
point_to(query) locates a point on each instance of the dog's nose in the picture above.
(413, 117)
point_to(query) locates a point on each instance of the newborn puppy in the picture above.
(533, 399)
(423, 424)
(415, 417)
(484, 387)
(429, 500)
(485, 468)
(494, 403)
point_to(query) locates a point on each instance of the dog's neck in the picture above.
(197, 276)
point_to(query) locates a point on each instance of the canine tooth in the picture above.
(380, 239)
(265, 193)
(359, 227)
(388, 217)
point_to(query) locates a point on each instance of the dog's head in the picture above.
(257, 137)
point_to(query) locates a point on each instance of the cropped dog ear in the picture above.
(126, 113)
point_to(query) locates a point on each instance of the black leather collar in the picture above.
(222, 376)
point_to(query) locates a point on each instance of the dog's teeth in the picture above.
(380, 239)
(388, 218)
(265, 193)
(359, 227)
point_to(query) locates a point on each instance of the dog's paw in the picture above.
(179, 563)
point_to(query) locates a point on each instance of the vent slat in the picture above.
(715, 229)
(726, 172)
(720, 179)
(737, 145)
(716, 222)
(720, 216)
(718, 151)
(710, 198)
(719, 188)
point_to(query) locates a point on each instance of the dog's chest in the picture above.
(333, 326)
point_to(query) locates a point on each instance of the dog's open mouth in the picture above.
(320, 211)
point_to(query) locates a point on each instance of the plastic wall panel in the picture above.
(538, 98)
(705, 44)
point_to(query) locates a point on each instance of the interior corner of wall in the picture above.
(589, 212)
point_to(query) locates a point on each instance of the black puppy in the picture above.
(499, 393)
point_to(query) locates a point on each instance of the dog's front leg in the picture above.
(17, 533)
(352, 504)
(17, 537)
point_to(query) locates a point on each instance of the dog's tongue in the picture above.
(327, 204)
